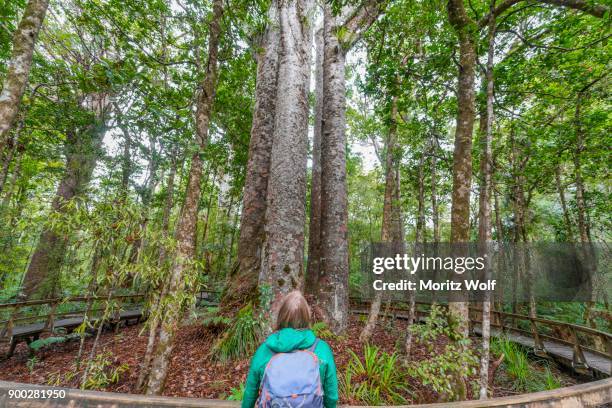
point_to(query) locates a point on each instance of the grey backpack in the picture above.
(292, 380)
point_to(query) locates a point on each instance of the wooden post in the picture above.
(51, 318)
(579, 362)
(8, 329)
(537, 341)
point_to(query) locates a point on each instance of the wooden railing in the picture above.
(579, 338)
(25, 312)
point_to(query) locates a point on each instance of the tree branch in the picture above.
(597, 10)
(360, 19)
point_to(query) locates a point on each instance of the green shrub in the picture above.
(103, 372)
(40, 343)
(322, 331)
(377, 380)
(236, 393)
(31, 363)
(442, 369)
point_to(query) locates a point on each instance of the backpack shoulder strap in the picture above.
(314, 345)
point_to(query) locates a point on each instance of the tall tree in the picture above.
(392, 230)
(82, 150)
(465, 30)
(283, 255)
(484, 208)
(186, 228)
(242, 280)
(333, 262)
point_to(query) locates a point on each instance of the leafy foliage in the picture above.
(240, 338)
(524, 375)
(103, 372)
(47, 341)
(440, 370)
(236, 393)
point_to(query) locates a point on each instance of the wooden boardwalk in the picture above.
(559, 351)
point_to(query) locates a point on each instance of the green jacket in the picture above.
(284, 341)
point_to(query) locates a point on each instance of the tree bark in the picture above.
(13, 146)
(566, 214)
(283, 257)
(16, 80)
(314, 231)
(187, 223)
(464, 28)
(334, 262)
(435, 212)
(484, 208)
(82, 150)
(242, 280)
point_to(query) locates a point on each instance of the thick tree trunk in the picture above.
(314, 231)
(333, 284)
(462, 155)
(16, 79)
(186, 228)
(484, 208)
(242, 280)
(283, 258)
(13, 147)
(392, 230)
(82, 149)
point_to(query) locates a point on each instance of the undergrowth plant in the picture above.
(375, 380)
(322, 331)
(441, 370)
(524, 375)
(103, 372)
(236, 393)
(240, 338)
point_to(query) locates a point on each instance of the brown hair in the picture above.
(294, 312)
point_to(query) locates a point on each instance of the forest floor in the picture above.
(193, 373)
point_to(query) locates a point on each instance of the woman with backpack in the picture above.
(292, 368)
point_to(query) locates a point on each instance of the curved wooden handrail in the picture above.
(591, 394)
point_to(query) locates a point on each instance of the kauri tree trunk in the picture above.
(82, 149)
(314, 231)
(242, 280)
(333, 283)
(484, 207)
(283, 257)
(333, 262)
